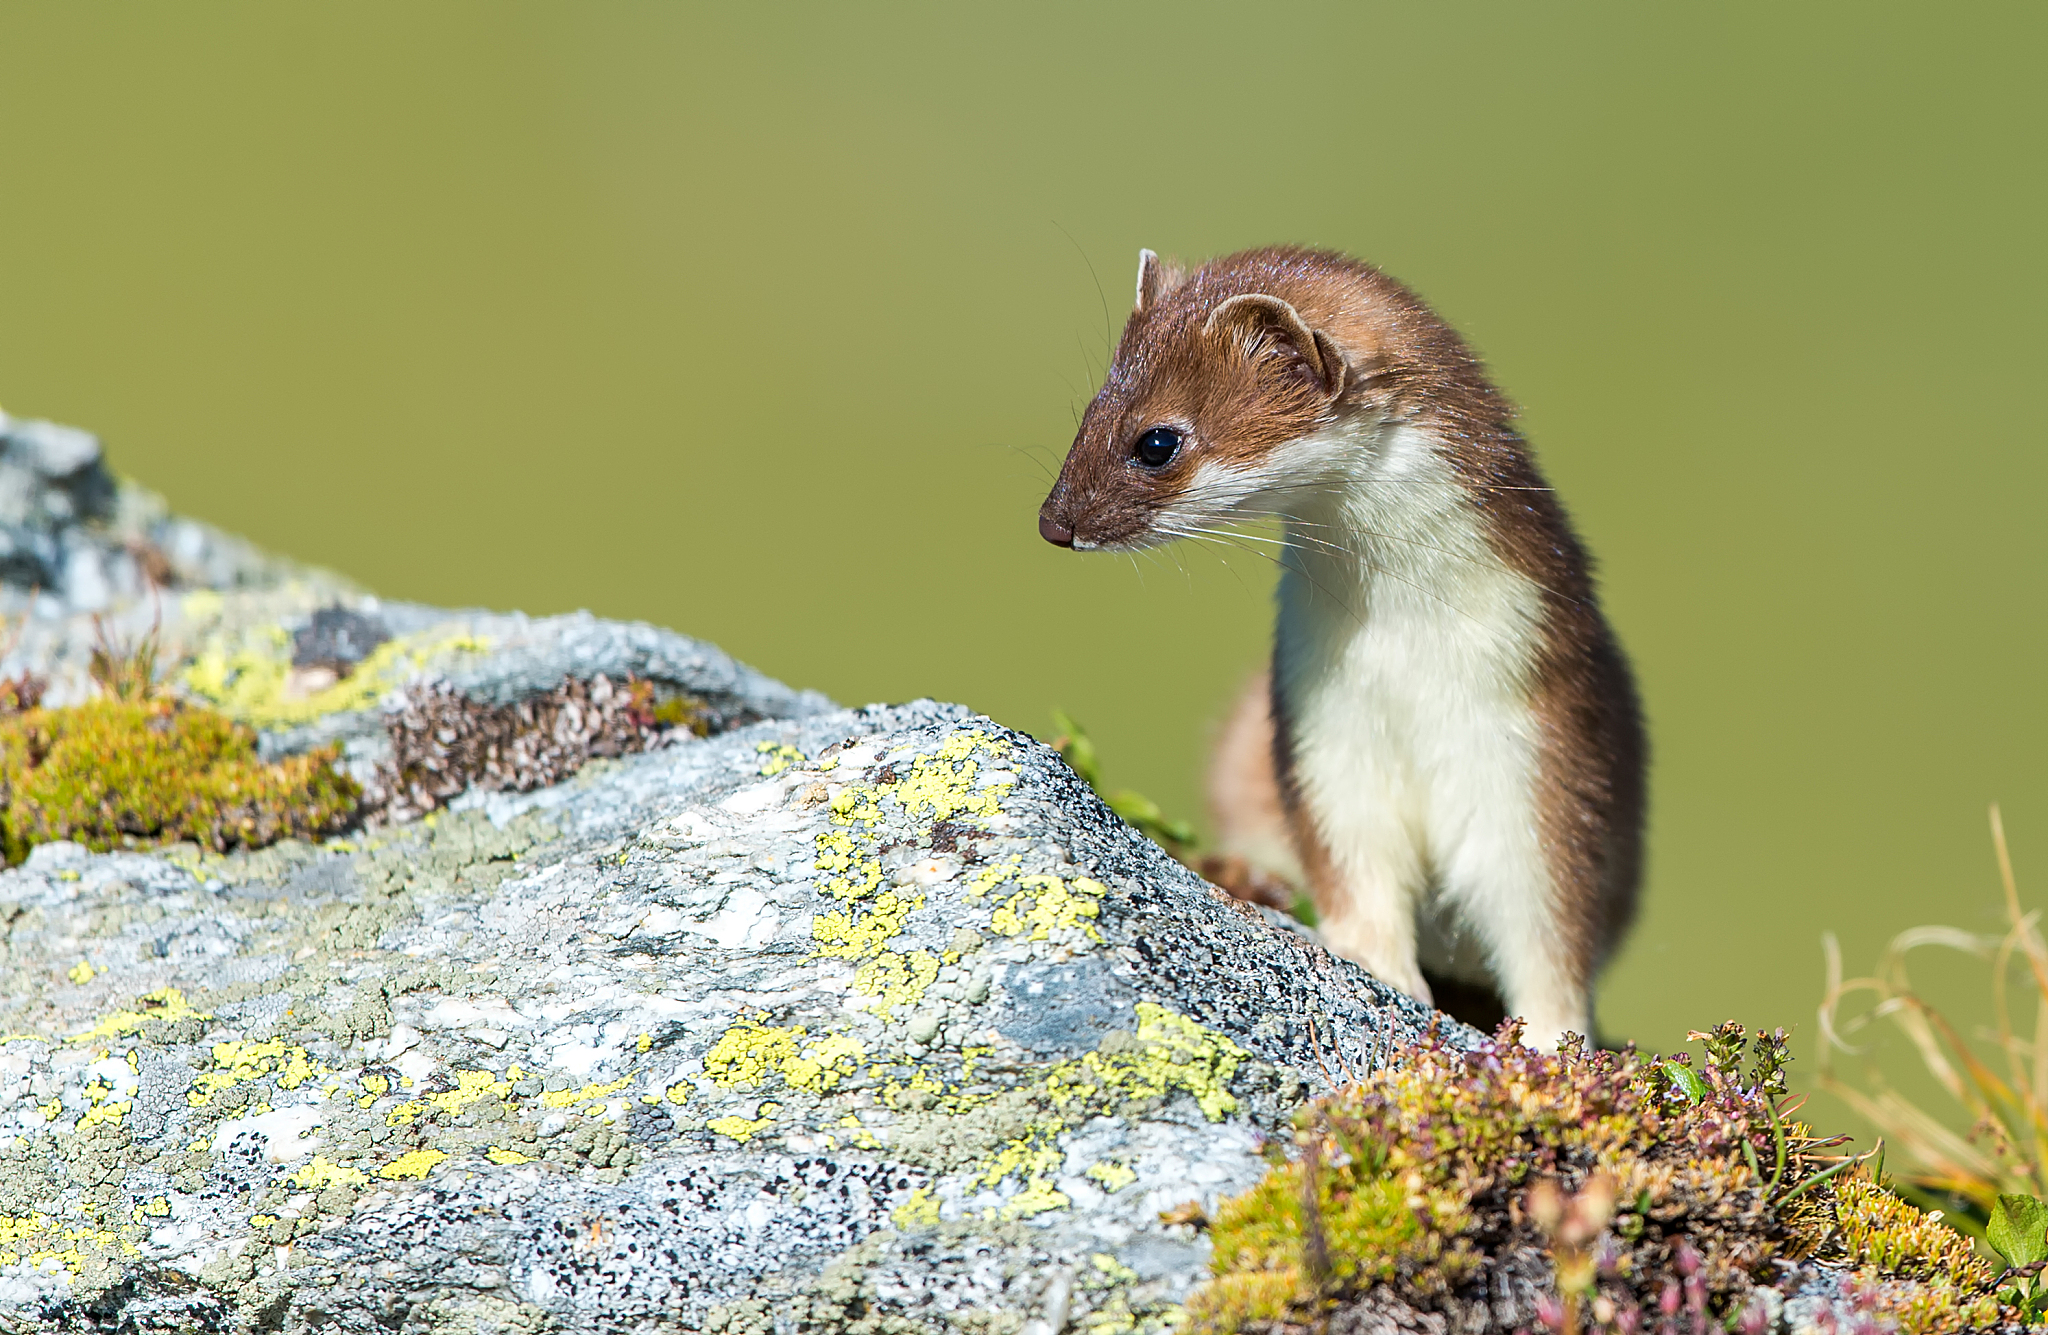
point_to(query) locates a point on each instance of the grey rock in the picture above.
(834, 1020)
(53, 451)
(81, 541)
(337, 637)
(295, 1087)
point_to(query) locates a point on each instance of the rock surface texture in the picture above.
(827, 1017)
(776, 1016)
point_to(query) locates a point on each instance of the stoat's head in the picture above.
(1211, 411)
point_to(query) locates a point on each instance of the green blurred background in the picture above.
(767, 323)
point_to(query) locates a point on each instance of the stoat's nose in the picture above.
(1053, 531)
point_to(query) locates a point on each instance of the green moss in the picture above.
(1889, 1239)
(1413, 1177)
(1648, 1184)
(113, 773)
(677, 711)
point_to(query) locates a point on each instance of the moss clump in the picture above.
(1415, 1177)
(1949, 1287)
(1642, 1189)
(113, 773)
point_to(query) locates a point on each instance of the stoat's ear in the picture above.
(1156, 278)
(1269, 327)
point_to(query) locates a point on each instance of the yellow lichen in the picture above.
(499, 1154)
(1168, 1053)
(110, 1113)
(776, 757)
(858, 804)
(1046, 904)
(845, 934)
(299, 1067)
(323, 1173)
(941, 786)
(1171, 1053)
(738, 1128)
(1036, 1158)
(566, 1098)
(894, 980)
(1113, 1176)
(923, 1081)
(1111, 1269)
(993, 875)
(837, 855)
(748, 1051)
(238, 1060)
(920, 1211)
(80, 973)
(249, 681)
(19, 1232)
(416, 1163)
(166, 1003)
(19, 1228)
(470, 1087)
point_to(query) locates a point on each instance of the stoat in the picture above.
(1448, 744)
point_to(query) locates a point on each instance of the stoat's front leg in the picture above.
(1364, 874)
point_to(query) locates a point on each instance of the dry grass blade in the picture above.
(2005, 1147)
(125, 670)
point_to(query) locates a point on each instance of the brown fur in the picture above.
(1324, 339)
(1246, 808)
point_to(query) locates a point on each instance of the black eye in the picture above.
(1156, 448)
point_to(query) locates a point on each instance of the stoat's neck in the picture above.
(1396, 548)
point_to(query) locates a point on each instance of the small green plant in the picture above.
(2018, 1232)
(124, 669)
(2004, 1150)
(23, 690)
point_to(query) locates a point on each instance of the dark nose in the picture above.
(1054, 532)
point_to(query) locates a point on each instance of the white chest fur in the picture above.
(1406, 651)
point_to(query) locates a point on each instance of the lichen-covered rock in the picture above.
(869, 1013)
(794, 1019)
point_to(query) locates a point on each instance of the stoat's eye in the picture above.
(1156, 448)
